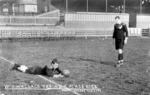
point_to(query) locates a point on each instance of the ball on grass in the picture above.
(66, 72)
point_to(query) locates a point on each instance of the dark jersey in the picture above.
(52, 72)
(120, 31)
(34, 70)
(43, 71)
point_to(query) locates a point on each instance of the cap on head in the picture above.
(54, 61)
(117, 17)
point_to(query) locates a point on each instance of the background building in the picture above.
(42, 6)
(27, 6)
(22, 7)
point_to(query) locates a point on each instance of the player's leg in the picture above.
(22, 68)
(19, 67)
(121, 52)
(117, 46)
(15, 66)
(120, 55)
(34, 70)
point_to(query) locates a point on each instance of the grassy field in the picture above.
(90, 61)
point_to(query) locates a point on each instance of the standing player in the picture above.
(120, 37)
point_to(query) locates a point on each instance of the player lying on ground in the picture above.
(53, 71)
(120, 37)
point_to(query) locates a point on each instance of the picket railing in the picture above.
(28, 20)
(32, 32)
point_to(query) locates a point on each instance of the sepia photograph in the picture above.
(74, 47)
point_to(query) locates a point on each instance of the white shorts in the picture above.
(22, 68)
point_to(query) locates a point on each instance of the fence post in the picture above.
(106, 35)
(85, 34)
(148, 32)
(1, 33)
(9, 19)
(35, 21)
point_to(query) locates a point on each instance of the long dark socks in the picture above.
(120, 57)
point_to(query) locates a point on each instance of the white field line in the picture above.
(48, 80)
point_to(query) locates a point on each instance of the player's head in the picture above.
(117, 19)
(55, 63)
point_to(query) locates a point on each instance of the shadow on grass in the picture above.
(111, 63)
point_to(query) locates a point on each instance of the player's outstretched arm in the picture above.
(126, 40)
(113, 36)
(57, 76)
(126, 34)
(60, 73)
